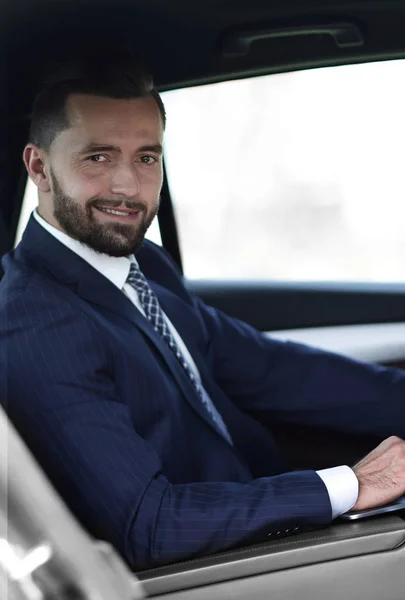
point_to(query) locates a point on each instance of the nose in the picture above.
(126, 181)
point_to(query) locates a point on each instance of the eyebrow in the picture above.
(96, 147)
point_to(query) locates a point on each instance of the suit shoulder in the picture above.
(15, 279)
(29, 301)
(157, 265)
(151, 253)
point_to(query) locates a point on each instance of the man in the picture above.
(133, 394)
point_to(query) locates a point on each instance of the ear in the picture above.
(35, 161)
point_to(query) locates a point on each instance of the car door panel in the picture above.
(296, 567)
(271, 305)
(355, 320)
(382, 343)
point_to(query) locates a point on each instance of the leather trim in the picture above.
(378, 576)
(338, 541)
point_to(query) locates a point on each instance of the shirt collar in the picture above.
(114, 268)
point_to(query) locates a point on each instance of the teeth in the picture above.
(115, 212)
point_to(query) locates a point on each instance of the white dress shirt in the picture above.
(341, 482)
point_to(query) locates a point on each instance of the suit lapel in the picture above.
(46, 254)
(110, 297)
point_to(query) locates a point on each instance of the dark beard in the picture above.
(115, 239)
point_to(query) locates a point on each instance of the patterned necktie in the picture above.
(156, 317)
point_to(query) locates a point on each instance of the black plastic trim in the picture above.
(167, 224)
(273, 305)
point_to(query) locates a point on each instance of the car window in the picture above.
(31, 201)
(295, 176)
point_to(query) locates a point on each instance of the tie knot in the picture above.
(134, 268)
(135, 274)
(138, 280)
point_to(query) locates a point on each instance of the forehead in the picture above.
(111, 119)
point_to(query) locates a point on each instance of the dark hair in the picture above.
(116, 75)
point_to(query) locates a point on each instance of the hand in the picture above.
(381, 474)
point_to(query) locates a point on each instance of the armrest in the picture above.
(339, 541)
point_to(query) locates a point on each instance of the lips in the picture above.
(114, 211)
(127, 214)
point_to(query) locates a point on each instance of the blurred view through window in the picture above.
(297, 176)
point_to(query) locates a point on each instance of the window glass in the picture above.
(295, 176)
(31, 201)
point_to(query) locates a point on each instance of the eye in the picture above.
(96, 157)
(148, 160)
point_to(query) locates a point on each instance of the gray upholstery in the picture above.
(378, 576)
(32, 516)
(292, 567)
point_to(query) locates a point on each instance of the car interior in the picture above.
(188, 45)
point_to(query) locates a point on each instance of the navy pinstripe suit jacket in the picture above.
(107, 409)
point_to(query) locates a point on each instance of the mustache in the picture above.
(108, 203)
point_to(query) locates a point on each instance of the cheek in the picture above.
(83, 187)
(153, 179)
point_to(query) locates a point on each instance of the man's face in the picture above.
(105, 173)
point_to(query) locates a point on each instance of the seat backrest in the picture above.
(4, 242)
(34, 519)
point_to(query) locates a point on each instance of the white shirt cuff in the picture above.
(343, 488)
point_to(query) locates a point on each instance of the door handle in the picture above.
(238, 43)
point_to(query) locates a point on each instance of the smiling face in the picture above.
(100, 182)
